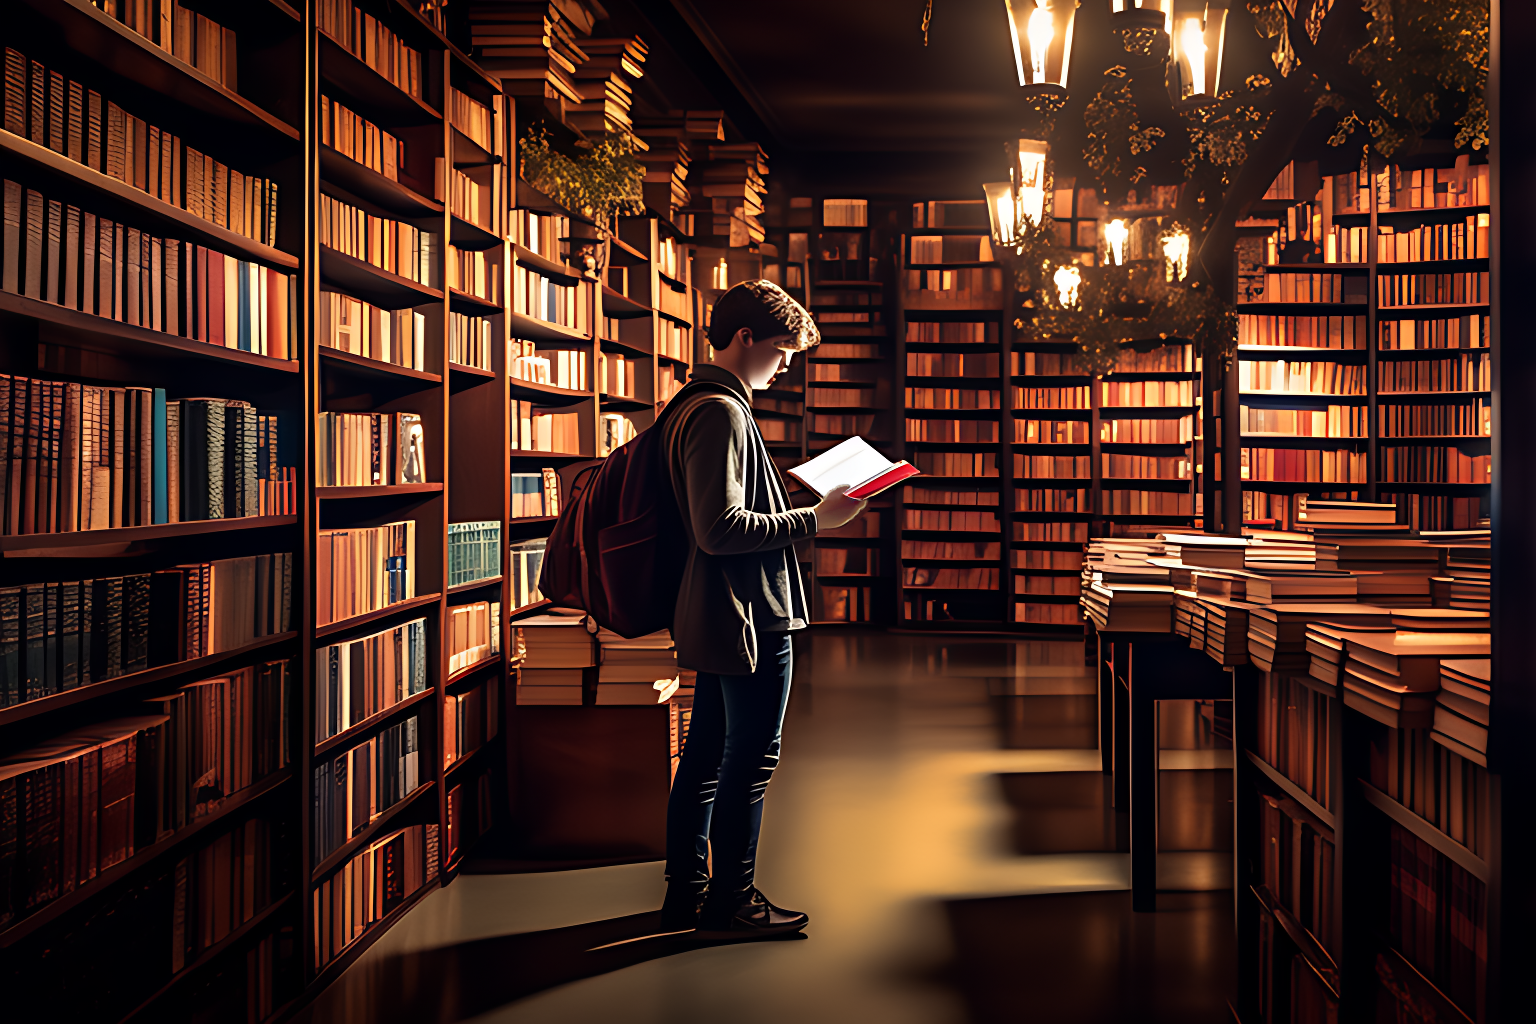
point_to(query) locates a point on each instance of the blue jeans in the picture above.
(732, 750)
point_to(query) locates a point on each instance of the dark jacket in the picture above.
(741, 577)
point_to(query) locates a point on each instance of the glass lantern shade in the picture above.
(1198, 33)
(1041, 31)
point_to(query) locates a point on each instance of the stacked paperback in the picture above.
(639, 671)
(558, 649)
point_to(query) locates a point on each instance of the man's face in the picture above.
(764, 360)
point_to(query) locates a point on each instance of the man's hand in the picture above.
(837, 509)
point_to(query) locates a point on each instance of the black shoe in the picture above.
(754, 919)
(680, 910)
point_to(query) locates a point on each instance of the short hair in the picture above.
(767, 311)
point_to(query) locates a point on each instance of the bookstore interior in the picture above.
(280, 689)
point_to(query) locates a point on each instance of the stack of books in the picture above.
(1461, 707)
(671, 142)
(558, 651)
(1394, 678)
(1278, 633)
(639, 671)
(606, 85)
(733, 183)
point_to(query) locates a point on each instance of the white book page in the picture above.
(852, 462)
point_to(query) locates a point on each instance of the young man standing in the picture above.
(740, 599)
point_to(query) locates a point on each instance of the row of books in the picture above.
(526, 560)
(1144, 393)
(1334, 421)
(371, 886)
(474, 549)
(848, 349)
(950, 550)
(1056, 586)
(940, 496)
(545, 431)
(543, 298)
(1144, 467)
(540, 233)
(924, 364)
(950, 431)
(359, 139)
(79, 457)
(616, 375)
(391, 245)
(75, 122)
(918, 398)
(1346, 245)
(1432, 780)
(472, 272)
(470, 720)
(397, 336)
(369, 449)
(468, 814)
(470, 340)
(1301, 377)
(947, 519)
(1030, 431)
(1438, 918)
(956, 463)
(535, 494)
(189, 37)
(669, 381)
(1467, 419)
(371, 41)
(1457, 373)
(220, 887)
(973, 578)
(1052, 398)
(474, 634)
(1463, 240)
(1311, 286)
(1340, 332)
(1146, 503)
(218, 737)
(1303, 464)
(1179, 430)
(864, 425)
(1397, 290)
(1443, 512)
(363, 569)
(471, 117)
(58, 253)
(865, 524)
(831, 603)
(59, 636)
(613, 430)
(356, 679)
(672, 302)
(466, 198)
(1472, 331)
(1296, 868)
(1435, 187)
(558, 367)
(947, 332)
(674, 341)
(1295, 720)
(1050, 533)
(1446, 465)
(872, 394)
(779, 430)
(1047, 614)
(1048, 467)
(854, 561)
(1163, 359)
(1037, 559)
(354, 788)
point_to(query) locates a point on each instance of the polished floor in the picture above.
(939, 815)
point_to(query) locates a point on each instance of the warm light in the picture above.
(1041, 31)
(1215, 38)
(1067, 279)
(1018, 51)
(1115, 233)
(1031, 179)
(1176, 255)
(722, 276)
(1000, 208)
(1192, 53)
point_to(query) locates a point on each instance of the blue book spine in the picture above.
(158, 468)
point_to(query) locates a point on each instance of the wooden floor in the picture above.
(940, 815)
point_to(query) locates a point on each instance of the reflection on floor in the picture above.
(899, 822)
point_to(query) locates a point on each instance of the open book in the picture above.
(855, 463)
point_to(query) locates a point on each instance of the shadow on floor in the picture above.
(1087, 958)
(1064, 812)
(455, 983)
(1065, 721)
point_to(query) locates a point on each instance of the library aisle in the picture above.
(890, 823)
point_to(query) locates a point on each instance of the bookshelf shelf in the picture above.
(622, 307)
(489, 581)
(372, 724)
(94, 35)
(529, 453)
(680, 321)
(1409, 312)
(1255, 353)
(158, 674)
(126, 540)
(337, 361)
(466, 234)
(378, 826)
(331, 630)
(545, 394)
(1474, 864)
(523, 326)
(624, 347)
(368, 184)
(625, 255)
(621, 404)
(374, 491)
(528, 609)
(672, 359)
(461, 370)
(469, 670)
(474, 305)
(370, 93)
(85, 330)
(150, 854)
(468, 759)
(372, 284)
(143, 206)
(544, 265)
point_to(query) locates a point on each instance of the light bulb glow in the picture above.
(1000, 208)
(1018, 49)
(1192, 42)
(1176, 255)
(1115, 233)
(1031, 179)
(1067, 280)
(1040, 31)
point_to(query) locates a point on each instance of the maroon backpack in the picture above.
(618, 549)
